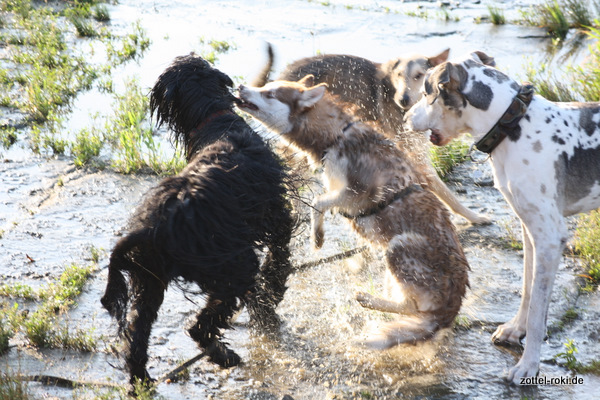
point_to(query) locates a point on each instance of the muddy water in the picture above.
(51, 214)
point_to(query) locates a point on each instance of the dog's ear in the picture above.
(308, 80)
(385, 70)
(311, 96)
(483, 58)
(452, 77)
(440, 58)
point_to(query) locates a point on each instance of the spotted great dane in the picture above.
(546, 162)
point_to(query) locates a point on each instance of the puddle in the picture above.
(52, 213)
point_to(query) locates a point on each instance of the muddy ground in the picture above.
(52, 213)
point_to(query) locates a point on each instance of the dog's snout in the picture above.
(405, 101)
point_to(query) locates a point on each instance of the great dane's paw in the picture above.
(508, 333)
(523, 369)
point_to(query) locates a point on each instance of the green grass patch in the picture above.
(588, 74)
(131, 135)
(568, 359)
(213, 48)
(548, 86)
(12, 388)
(557, 17)
(131, 47)
(496, 15)
(43, 328)
(445, 158)
(587, 244)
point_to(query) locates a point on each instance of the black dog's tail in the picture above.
(265, 74)
(116, 295)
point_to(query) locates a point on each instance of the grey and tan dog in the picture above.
(382, 92)
(545, 157)
(371, 182)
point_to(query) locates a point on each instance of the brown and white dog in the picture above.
(545, 159)
(369, 181)
(382, 92)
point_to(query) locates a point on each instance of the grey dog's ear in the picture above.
(440, 58)
(308, 80)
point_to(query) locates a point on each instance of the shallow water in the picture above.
(317, 354)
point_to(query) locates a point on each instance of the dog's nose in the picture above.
(405, 102)
(241, 87)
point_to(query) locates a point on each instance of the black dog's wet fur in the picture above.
(204, 224)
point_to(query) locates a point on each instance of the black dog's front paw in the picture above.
(222, 356)
(141, 377)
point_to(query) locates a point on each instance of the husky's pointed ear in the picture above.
(308, 80)
(312, 95)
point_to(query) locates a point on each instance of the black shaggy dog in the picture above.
(205, 224)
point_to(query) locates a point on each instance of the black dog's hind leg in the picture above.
(206, 331)
(271, 280)
(149, 295)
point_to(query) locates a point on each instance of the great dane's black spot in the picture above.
(558, 139)
(480, 96)
(586, 119)
(496, 75)
(578, 174)
(514, 134)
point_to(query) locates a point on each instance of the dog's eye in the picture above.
(418, 76)
(270, 94)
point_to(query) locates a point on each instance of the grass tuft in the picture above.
(587, 240)
(12, 388)
(496, 15)
(445, 158)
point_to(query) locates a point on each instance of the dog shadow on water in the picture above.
(204, 224)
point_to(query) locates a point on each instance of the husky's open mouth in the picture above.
(242, 103)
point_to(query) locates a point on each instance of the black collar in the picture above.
(348, 126)
(384, 203)
(509, 120)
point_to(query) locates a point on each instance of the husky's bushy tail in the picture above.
(264, 75)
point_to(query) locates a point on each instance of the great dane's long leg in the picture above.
(515, 329)
(548, 233)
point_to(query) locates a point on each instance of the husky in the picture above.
(371, 183)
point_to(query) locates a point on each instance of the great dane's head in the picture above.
(464, 96)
